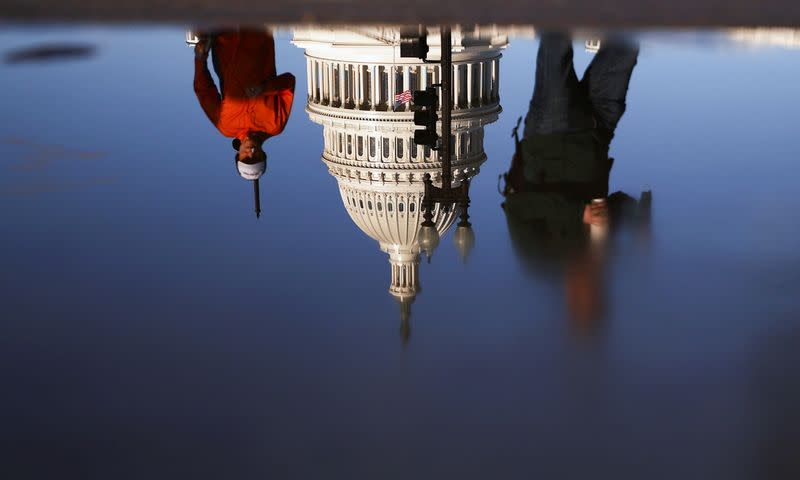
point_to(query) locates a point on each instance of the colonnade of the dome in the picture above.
(384, 147)
(372, 86)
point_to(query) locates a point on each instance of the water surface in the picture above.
(152, 326)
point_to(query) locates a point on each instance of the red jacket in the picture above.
(254, 98)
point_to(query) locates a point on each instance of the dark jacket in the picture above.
(554, 176)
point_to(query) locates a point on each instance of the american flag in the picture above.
(403, 97)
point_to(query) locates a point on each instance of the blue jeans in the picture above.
(563, 104)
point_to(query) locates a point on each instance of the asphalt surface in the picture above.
(542, 13)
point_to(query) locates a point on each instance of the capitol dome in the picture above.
(353, 76)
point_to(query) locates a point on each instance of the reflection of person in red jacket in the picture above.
(254, 103)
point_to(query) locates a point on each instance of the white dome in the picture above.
(353, 74)
(391, 214)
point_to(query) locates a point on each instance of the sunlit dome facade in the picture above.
(353, 76)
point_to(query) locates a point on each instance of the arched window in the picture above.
(411, 207)
(361, 203)
(400, 207)
(385, 148)
(372, 151)
(360, 146)
(369, 204)
(380, 207)
(389, 207)
(350, 146)
(399, 148)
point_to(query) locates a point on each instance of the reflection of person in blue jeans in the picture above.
(562, 164)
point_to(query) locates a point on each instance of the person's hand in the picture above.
(596, 213)
(202, 48)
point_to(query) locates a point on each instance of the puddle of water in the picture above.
(152, 323)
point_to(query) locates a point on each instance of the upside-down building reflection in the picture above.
(353, 76)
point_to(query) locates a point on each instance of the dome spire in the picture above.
(405, 318)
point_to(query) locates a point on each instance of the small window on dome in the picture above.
(360, 147)
(385, 148)
(389, 207)
(380, 207)
(361, 203)
(369, 204)
(400, 207)
(372, 151)
(399, 149)
(349, 145)
(411, 207)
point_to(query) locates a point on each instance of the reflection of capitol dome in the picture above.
(353, 77)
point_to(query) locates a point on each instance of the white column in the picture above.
(325, 94)
(321, 80)
(482, 82)
(318, 81)
(469, 85)
(330, 83)
(342, 92)
(455, 86)
(308, 76)
(392, 86)
(354, 84)
(373, 86)
(362, 91)
(423, 79)
(351, 83)
(359, 87)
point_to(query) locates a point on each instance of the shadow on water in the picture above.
(49, 53)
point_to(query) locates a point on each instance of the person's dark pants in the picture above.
(563, 104)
